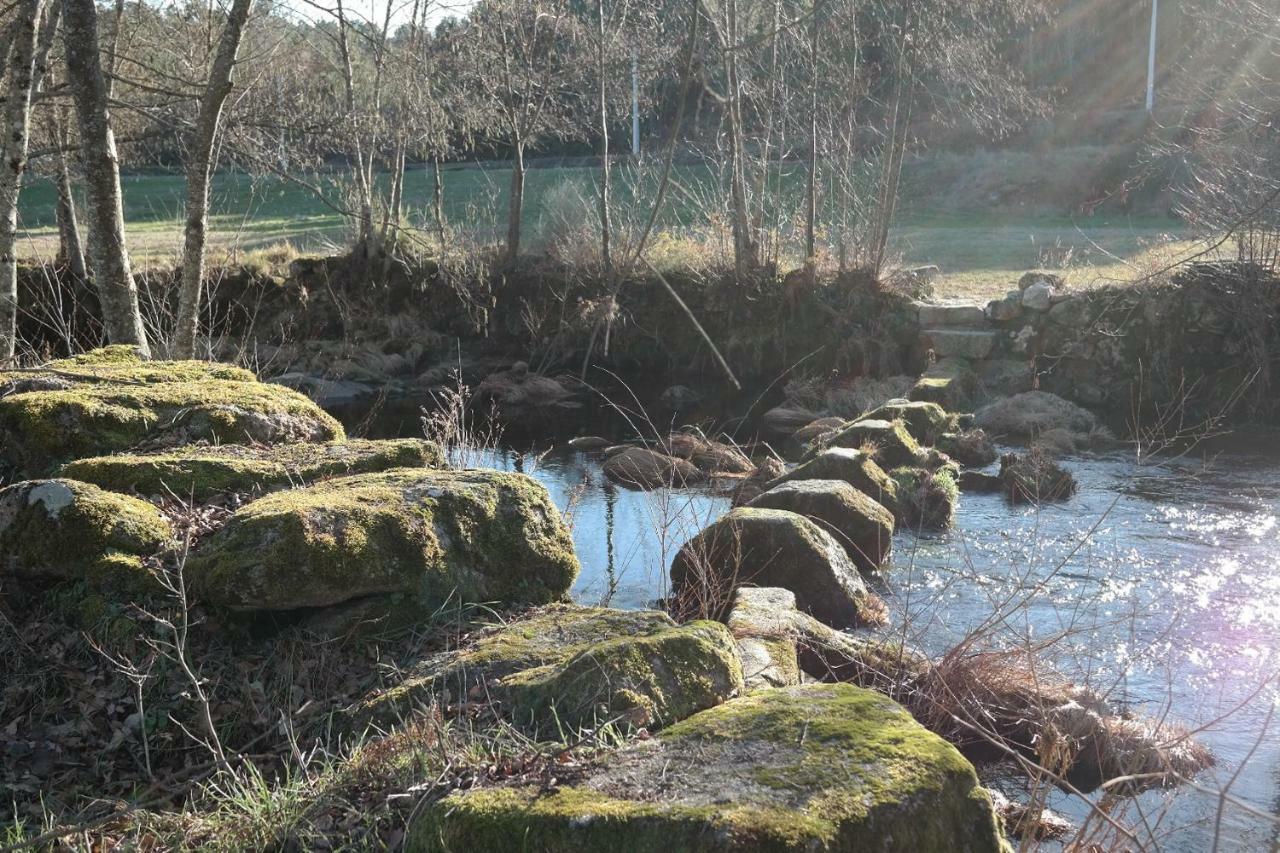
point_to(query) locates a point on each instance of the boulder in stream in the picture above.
(863, 527)
(888, 442)
(641, 468)
(925, 421)
(1028, 414)
(854, 467)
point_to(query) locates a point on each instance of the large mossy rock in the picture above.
(201, 473)
(889, 442)
(650, 681)
(766, 641)
(107, 403)
(926, 499)
(863, 527)
(574, 665)
(924, 421)
(827, 767)
(854, 467)
(479, 536)
(766, 547)
(66, 530)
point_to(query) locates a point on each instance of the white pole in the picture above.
(635, 109)
(1151, 57)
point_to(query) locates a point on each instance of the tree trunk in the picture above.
(606, 235)
(199, 174)
(517, 205)
(811, 213)
(17, 116)
(116, 288)
(70, 247)
(437, 200)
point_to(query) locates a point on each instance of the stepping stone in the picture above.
(971, 344)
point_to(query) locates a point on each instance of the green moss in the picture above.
(42, 428)
(924, 421)
(547, 635)
(121, 364)
(893, 445)
(649, 680)
(479, 536)
(852, 466)
(202, 473)
(65, 530)
(926, 499)
(816, 767)
(950, 383)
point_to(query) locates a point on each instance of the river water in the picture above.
(1161, 582)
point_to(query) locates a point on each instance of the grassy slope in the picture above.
(981, 254)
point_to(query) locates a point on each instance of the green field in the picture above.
(980, 254)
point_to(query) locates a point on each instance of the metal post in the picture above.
(635, 108)
(1151, 56)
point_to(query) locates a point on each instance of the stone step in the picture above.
(952, 316)
(972, 344)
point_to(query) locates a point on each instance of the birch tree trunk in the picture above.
(516, 210)
(17, 118)
(113, 276)
(69, 243)
(200, 172)
(606, 229)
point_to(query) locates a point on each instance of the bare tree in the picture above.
(26, 58)
(199, 172)
(113, 275)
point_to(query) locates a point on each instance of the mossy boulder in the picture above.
(767, 547)
(766, 642)
(863, 527)
(69, 531)
(950, 382)
(117, 363)
(651, 680)
(889, 442)
(201, 473)
(641, 468)
(926, 499)
(1035, 477)
(827, 767)
(542, 641)
(971, 447)
(433, 536)
(924, 421)
(117, 405)
(1031, 413)
(854, 467)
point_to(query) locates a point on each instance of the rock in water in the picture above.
(106, 403)
(924, 421)
(971, 447)
(1028, 414)
(893, 445)
(647, 469)
(863, 527)
(428, 535)
(65, 530)
(201, 473)
(926, 499)
(766, 547)
(854, 467)
(827, 767)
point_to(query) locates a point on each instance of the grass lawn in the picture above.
(980, 255)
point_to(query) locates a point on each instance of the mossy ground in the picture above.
(201, 473)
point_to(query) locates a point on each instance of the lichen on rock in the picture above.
(889, 442)
(924, 421)
(863, 527)
(203, 472)
(63, 530)
(814, 767)
(852, 466)
(479, 536)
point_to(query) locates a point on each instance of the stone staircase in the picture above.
(957, 331)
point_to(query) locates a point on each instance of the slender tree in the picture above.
(199, 173)
(113, 275)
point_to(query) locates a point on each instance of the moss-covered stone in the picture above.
(651, 680)
(862, 527)
(890, 443)
(766, 547)
(814, 767)
(119, 364)
(924, 421)
(926, 499)
(854, 467)
(201, 473)
(482, 536)
(150, 405)
(544, 636)
(66, 530)
(972, 447)
(950, 382)
(760, 623)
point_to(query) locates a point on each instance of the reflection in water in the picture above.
(1160, 584)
